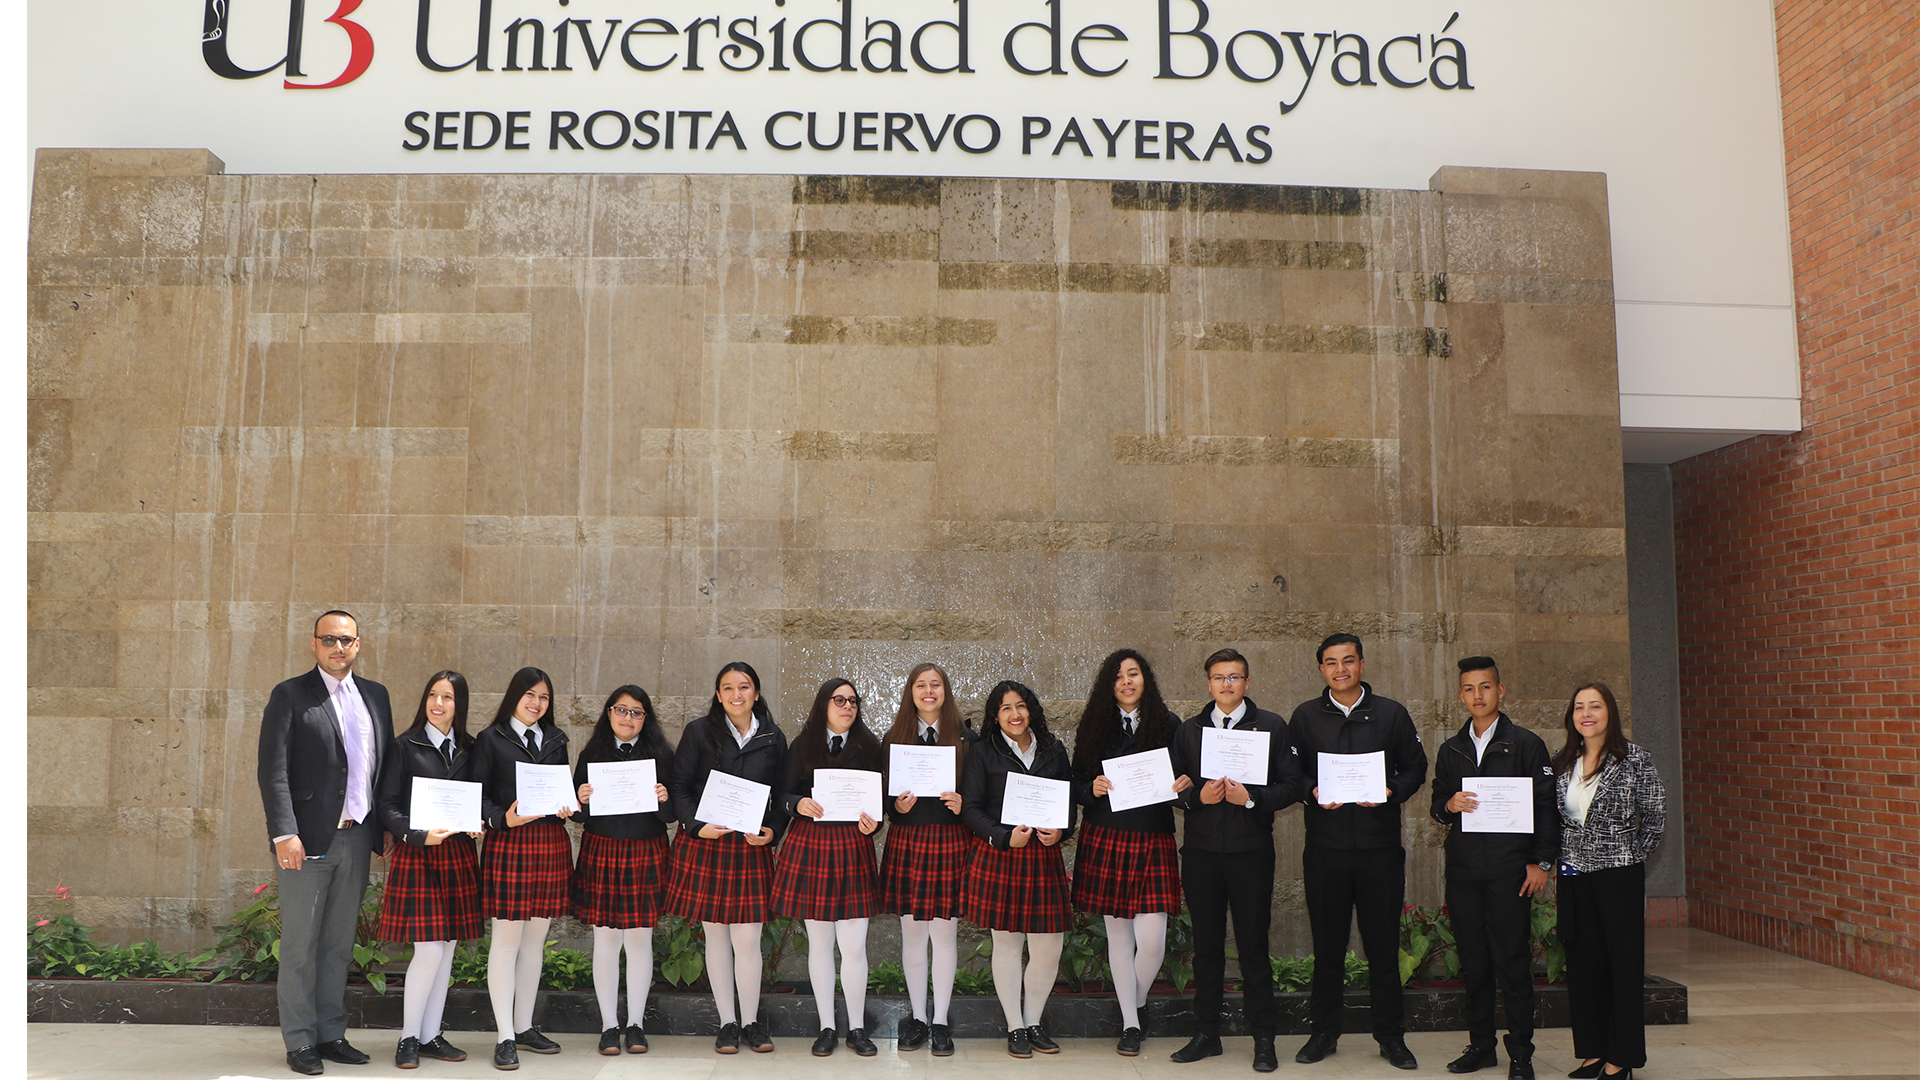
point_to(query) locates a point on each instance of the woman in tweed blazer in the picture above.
(1612, 812)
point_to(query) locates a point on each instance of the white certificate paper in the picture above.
(1506, 804)
(1226, 754)
(732, 802)
(1035, 801)
(1141, 779)
(543, 789)
(845, 794)
(1353, 778)
(926, 771)
(623, 787)
(444, 804)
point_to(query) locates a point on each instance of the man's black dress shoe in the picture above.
(1017, 1044)
(505, 1057)
(940, 1037)
(1200, 1046)
(531, 1039)
(1587, 1071)
(1319, 1045)
(1040, 1041)
(342, 1051)
(610, 1042)
(1394, 1049)
(306, 1061)
(823, 1046)
(1473, 1059)
(1264, 1058)
(407, 1054)
(858, 1042)
(439, 1047)
(636, 1039)
(1520, 1069)
(1129, 1043)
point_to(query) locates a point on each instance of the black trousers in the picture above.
(1603, 923)
(1491, 924)
(1342, 883)
(1243, 882)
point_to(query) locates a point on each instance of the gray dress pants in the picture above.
(319, 909)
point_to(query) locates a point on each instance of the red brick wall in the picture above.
(1798, 557)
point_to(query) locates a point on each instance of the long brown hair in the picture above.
(1616, 745)
(461, 740)
(951, 730)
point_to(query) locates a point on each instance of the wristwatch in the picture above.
(1249, 802)
(1547, 866)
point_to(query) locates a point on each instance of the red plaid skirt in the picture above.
(432, 893)
(1023, 890)
(620, 883)
(719, 881)
(923, 868)
(524, 872)
(825, 872)
(1124, 872)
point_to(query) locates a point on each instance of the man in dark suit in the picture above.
(321, 740)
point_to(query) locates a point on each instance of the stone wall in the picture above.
(629, 428)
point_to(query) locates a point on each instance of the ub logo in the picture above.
(214, 38)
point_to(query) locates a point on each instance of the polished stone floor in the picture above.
(1755, 1013)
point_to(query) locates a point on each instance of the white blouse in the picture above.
(1581, 790)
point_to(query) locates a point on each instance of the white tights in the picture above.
(513, 972)
(607, 942)
(917, 936)
(1135, 945)
(733, 962)
(1043, 965)
(851, 934)
(425, 998)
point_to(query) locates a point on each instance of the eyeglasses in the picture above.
(844, 701)
(625, 713)
(1226, 680)
(336, 641)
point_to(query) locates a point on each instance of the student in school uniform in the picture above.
(1016, 884)
(824, 873)
(1125, 868)
(620, 881)
(925, 861)
(721, 877)
(432, 896)
(526, 861)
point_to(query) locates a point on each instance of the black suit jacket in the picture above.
(303, 758)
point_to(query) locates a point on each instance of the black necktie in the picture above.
(931, 738)
(532, 747)
(626, 750)
(446, 751)
(834, 744)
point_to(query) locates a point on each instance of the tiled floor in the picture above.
(1755, 1014)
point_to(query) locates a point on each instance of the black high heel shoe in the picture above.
(1588, 1071)
(1623, 1074)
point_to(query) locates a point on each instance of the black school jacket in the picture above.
(1377, 723)
(1225, 827)
(1155, 818)
(795, 785)
(983, 783)
(496, 751)
(927, 809)
(1513, 751)
(759, 761)
(411, 755)
(640, 826)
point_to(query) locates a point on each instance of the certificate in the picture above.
(845, 794)
(1226, 754)
(1506, 804)
(1353, 778)
(543, 789)
(1035, 801)
(1139, 779)
(623, 787)
(926, 771)
(732, 803)
(453, 805)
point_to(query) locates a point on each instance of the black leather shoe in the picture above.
(1473, 1059)
(610, 1042)
(1264, 1059)
(342, 1051)
(728, 1040)
(1394, 1049)
(440, 1049)
(407, 1054)
(1520, 1069)
(636, 1039)
(756, 1037)
(823, 1046)
(912, 1035)
(306, 1061)
(940, 1037)
(1319, 1045)
(858, 1042)
(1623, 1074)
(1017, 1044)
(505, 1058)
(1129, 1043)
(1041, 1041)
(1200, 1046)
(1587, 1071)
(531, 1039)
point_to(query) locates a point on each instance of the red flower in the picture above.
(260, 888)
(41, 923)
